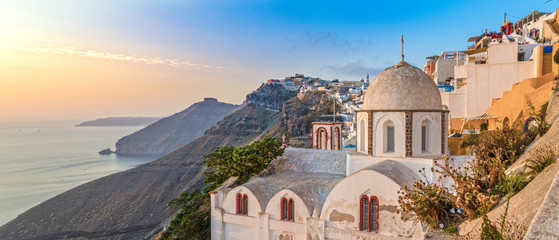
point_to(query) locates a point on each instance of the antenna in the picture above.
(402, 48)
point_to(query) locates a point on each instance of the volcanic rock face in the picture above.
(170, 133)
(130, 204)
(298, 113)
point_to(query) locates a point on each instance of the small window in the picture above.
(520, 56)
(291, 210)
(374, 215)
(390, 137)
(364, 214)
(369, 214)
(239, 203)
(245, 204)
(425, 136)
(284, 209)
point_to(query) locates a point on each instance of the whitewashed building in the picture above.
(488, 73)
(324, 194)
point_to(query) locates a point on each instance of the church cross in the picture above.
(402, 47)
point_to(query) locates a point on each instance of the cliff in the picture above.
(130, 204)
(119, 121)
(299, 112)
(170, 133)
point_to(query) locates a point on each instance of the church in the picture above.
(324, 193)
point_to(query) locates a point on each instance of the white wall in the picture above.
(341, 209)
(456, 102)
(484, 82)
(274, 206)
(502, 53)
(229, 204)
(434, 135)
(488, 81)
(362, 146)
(398, 118)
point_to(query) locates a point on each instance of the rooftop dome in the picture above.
(402, 87)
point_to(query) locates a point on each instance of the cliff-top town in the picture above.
(461, 146)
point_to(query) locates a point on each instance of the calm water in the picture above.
(41, 160)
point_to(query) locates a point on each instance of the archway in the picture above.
(337, 139)
(506, 123)
(322, 139)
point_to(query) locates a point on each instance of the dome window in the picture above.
(389, 137)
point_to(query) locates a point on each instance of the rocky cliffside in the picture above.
(170, 133)
(299, 112)
(130, 204)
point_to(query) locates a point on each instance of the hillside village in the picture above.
(401, 135)
(474, 83)
(376, 158)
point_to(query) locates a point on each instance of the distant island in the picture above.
(119, 121)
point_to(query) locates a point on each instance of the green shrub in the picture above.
(489, 231)
(541, 158)
(451, 229)
(541, 126)
(495, 151)
(430, 202)
(241, 162)
(512, 183)
(193, 221)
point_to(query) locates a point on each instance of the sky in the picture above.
(81, 60)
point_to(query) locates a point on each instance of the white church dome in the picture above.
(402, 87)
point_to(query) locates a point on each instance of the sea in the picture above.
(39, 160)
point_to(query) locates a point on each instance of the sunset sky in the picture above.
(80, 60)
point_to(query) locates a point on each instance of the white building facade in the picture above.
(478, 82)
(321, 194)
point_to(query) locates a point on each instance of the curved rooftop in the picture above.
(312, 187)
(402, 87)
(396, 171)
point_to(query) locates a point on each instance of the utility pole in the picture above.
(334, 109)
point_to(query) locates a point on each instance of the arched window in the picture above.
(337, 139)
(245, 204)
(364, 214)
(506, 123)
(374, 214)
(322, 138)
(369, 213)
(425, 136)
(239, 203)
(389, 136)
(284, 209)
(291, 216)
(362, 136)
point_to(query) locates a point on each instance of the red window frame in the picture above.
(291, 210)
(239, 202)
(284, 209)
(245, 204)
(363, 199)
(369, 201)
(287, 209)
(376, 214)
